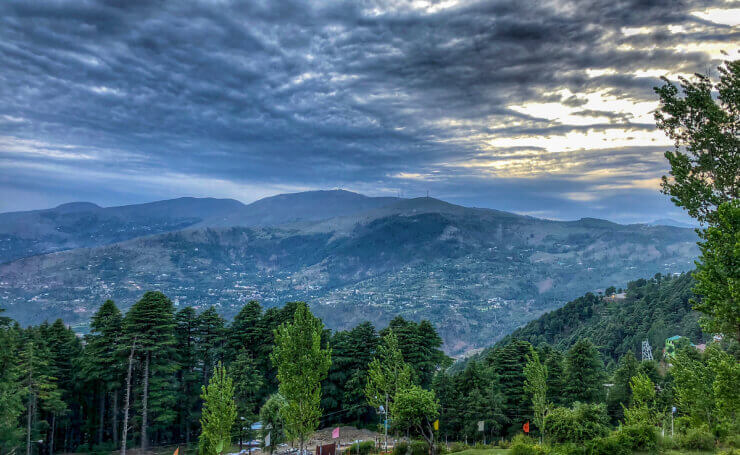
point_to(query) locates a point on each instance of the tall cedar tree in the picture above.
(65, 350)
(508, 364)
(11, 390)
(344, 388)
(302, 364)
(42, 394)
(102, 366)
(584, 373)
(247, 385)
(188, 376)
(211, 340)
(151, 322)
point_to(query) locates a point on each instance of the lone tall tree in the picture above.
(535, 385)
(302, 364)
(219, 413)
(388, 374)
(705, 180)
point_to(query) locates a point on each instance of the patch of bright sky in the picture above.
(637, 111)
(724, 16)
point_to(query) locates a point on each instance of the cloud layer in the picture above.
(541, 107)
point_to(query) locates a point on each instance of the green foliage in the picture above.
(388, 374)
(412, 448)
(507, 364)
(704, 164)
(523, 445)
(581, 423)
(302, 364)
(643, 396)
(344, 388)
(641, 437)
(219, 413)
(416, 408)
(11, 390)
(271, 416)
(360, 448)
(420, 345)
(620, 394)
(653, 309)
(609, 445)
(584, 373)
(718, 272)
(699, 438)
(535, 384)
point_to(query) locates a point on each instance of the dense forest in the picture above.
(70, 392)
(648, 309)
(138, 377)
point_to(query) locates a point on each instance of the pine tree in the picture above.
(555, 378)
(508, 364)
(246, 331)
(302, 364)
(102, 365)
(247, 385)
(39, 386)
(584, 373)
(11, 390)
(65, 350)
(151, 323)
(211, 340)
(219, 413)
(620, 394)
(189, 379)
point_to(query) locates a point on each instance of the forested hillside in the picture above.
(650, 309)
(475, 273)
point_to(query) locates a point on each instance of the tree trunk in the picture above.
(53, 430)
(144, 400)
(30, 409)
(128, 399)
(102, 415)
(114, 424)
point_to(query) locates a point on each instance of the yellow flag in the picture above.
(436, 424)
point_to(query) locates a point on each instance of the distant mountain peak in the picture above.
(71, 207)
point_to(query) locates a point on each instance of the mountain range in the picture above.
(477, 274)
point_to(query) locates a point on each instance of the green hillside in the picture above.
(651, 309)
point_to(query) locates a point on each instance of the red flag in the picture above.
(177, 451)
(526, 427)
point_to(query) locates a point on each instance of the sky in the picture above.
(539, 107)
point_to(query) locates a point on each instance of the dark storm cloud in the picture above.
(240, 98)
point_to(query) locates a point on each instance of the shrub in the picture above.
(640, 437)
(697, 438)
(581, 423)
(610, 445)
(412, 448)
(568, 449)
(732, 440)
(522, 445)
(361, 448)
(458, 447)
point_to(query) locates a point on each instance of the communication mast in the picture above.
(647, 351)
